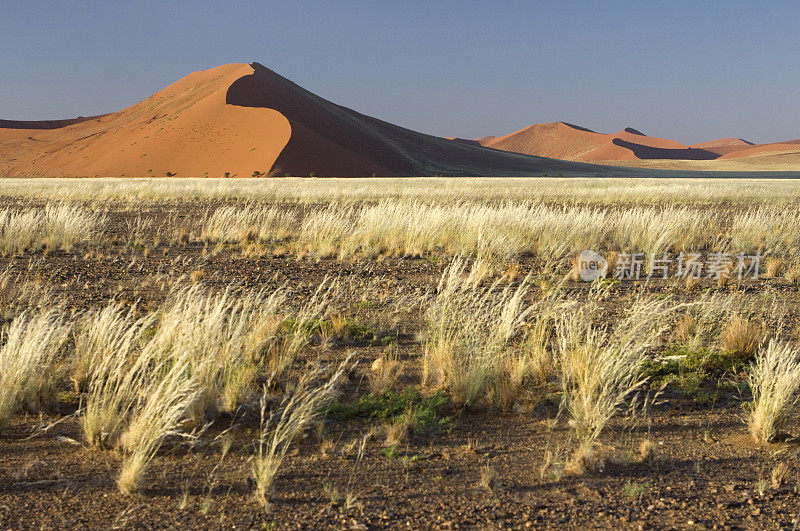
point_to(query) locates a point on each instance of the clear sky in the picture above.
(687, 70)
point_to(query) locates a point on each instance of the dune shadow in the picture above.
(648, 152)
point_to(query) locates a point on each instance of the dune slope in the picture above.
(244, 119)
(631, 148)
(184, 129)
(571, 142)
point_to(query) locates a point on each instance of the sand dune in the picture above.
(185, 129)
(332, 140)
(244, 119)
(631, 148)
(761, 150)
(571, 142)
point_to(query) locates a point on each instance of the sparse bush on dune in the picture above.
(775, 383)
(28, 348)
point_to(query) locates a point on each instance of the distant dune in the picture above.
(571, 142)
(762, 150)
(632, 148)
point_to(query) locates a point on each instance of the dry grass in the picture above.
(468, 329)
(741, 337)
(57, 226)
(775, 381)
(247, 224)
(409, 218)
(384, 372)
(157, 414)
(773, 267)
(773, 192)
(600, 368)
(490, 479)
(236, 330)
(108, 364)
(30, 345)
(280, 428)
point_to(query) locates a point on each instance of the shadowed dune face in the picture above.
(332, 140)
(641, 151)
(323, 138)
(572, 142)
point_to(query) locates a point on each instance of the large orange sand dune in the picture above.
(186, 129)
(239, 119)
(244, 119)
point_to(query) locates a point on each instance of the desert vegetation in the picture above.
(310, 352)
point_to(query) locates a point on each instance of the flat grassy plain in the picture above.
(377, 353)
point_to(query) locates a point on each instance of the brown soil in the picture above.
(704, 472)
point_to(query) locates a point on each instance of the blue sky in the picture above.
(690, 71)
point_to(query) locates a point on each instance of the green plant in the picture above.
(391, 406)
(632, 489)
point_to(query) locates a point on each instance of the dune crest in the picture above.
(571, 142)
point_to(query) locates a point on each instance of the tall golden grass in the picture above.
(57, 226)
(775, 382)
(29, 346)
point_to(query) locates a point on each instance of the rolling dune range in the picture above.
(242, 120)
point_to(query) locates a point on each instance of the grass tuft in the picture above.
(775, 381)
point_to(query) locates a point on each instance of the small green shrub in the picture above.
(391, 406)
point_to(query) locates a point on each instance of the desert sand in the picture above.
(632, 148)
(243, 120)
(185, 129)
